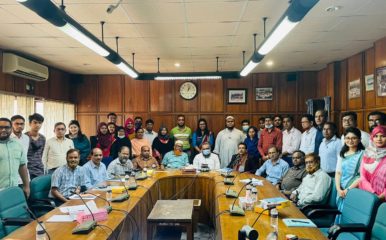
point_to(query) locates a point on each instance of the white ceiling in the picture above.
(193, 33)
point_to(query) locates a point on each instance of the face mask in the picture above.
(177, 152)
(245, 128)
(121, 136)
(206, 152)
(269, 126)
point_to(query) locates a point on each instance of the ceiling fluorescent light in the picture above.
(252, 63)
(284, 27)
(128, 70)
(187, 78)
(83, 39)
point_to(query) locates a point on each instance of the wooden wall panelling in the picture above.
(307, 85)
(163, 120)
(216, 122)
(343, 86)
(211, 94)
(190, 121)
(88, 124)
(144, 117)
(369, 96)
(58, 85)
(86, 94)
(380, 61)
(102, 117)
(263, 80)
(330, 90)
(354, 72)
(322, 83)
(6, 80)
(182, 105)
(161, 96)
(20, 84)
(286, 92)
(110, 92)
(242, 83)
(136, 95)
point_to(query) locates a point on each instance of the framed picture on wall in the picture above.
(237, 96)
(354, 89)
(263, 94)
(381, 81)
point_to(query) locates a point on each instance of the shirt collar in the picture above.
(13, 135)
(331, 140)
(94, 165)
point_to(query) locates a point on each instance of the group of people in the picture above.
(301, 164)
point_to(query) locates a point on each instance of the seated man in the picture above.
(274, 168)
(315, 186)
(120, 165)
(176, 158)
(241, 161)
(95, 170)
(294, 176)
(144, 160)
(68, 178)
(206, 157)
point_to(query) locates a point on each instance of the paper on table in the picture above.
(60, 218)
(298, 222)
(84, 196)
(75, 208)
(255, 181)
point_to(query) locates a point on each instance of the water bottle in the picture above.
(274, 219)
(127, 177)
(109, 195)
(272, 236)
(248, 193)
(254, 195)
(40, 232)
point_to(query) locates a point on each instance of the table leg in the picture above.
(189, 231)
(149, 231)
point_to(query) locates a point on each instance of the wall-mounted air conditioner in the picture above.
(24, 68)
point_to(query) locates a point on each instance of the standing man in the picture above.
(112, 117)
(149, 134)
(320, 120)
(307, 144)
(291, 139)
(12, 159)
(278, 122)
(95, 170)
(227, 141)
(329, 149)
(261, 126)
(269, 136)
(375, 119)
(138, 122)
(37, 143)
(182, 133)
(349, 119)
(245, 124)
(54, 154)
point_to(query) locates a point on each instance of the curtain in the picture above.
(25, 106)
(54, 112)
(7, 105)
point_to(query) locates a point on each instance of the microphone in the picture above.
(87, 226)
(247, 232)
(232, 193)
(238, 211)
(35, 218)
(108, 208)
(122, 197)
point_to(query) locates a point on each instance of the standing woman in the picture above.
(251, 141)
(138, 142)
(162, 144)
(112, 128)
(129, 128)
(103, 140)
(347, 167)
(201, 135)
(80, 141)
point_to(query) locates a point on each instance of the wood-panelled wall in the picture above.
(97, 95)
(57, 87)
(334, 81)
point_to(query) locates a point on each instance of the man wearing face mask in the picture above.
(315, 186)
(270, 136)
(120, 141)
(245, 124)
(176, 158)
(121, 164)
(206, 157)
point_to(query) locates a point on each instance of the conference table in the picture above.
(128, 220)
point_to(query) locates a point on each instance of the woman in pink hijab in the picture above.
(129, 128)
(373, 167)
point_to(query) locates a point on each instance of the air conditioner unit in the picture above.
(24, 68)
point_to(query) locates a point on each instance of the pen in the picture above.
(299, 221)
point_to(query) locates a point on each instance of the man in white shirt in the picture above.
(307, 144)
(349, 119)
(149, 134)
(55, 150)
(291, 139)
(329, 149)
(315, 186)
(206, 157)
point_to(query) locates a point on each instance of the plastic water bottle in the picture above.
(254, 195)
(127, 177)
(274, 219)
(109, 195)
(248, 193)
(40, 232)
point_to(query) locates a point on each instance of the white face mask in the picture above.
(206, 152)
(269, 126)
(121, 136)
(245, 128)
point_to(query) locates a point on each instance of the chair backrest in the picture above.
(379, 228)
(359, 207)
(12, 202)
(40, 187)
(332, 197)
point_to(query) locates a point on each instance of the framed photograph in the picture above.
(354, 89)
(263, 94)
(237, 96)
(381, 81)
(369, 82)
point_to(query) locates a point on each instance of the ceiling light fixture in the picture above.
(253, 61)
(59, 18)
(188, 78)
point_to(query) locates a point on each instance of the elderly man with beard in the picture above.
(68, 178)
(175, 158)
(315, 186)
(121, 164)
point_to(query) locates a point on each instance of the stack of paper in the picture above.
(298, 222)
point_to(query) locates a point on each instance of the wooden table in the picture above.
(208, 187)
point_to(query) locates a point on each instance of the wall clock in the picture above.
(188, 90)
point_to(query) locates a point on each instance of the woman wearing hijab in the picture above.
(373, 167)
(103, 140)
(129, 128)
(120, 141)
(138, 142)
(80, 140)
(162, 144)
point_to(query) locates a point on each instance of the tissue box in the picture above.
(99, 215)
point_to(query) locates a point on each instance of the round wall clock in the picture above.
(188, 90)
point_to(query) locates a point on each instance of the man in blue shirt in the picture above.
(329, 149)
(176, 158)
(274, 168)
(95, 170)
